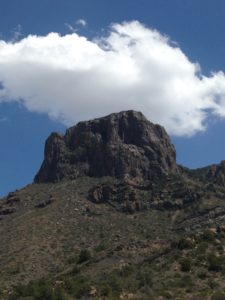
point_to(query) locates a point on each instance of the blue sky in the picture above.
(195, 27)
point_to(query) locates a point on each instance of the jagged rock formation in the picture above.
(216, 173)
(122, 145)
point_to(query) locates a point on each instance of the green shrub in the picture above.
(212, 283)
(113, 280)
(202, 275)
(201, 248)
(37, 290)
(208, 236)
(72, 260)
(183, 282)
(218, 296)
(126, 271)
(105, 290)
(144, 278)
(84, 255)
(100, 247)
(78, 286)
(166, 295)
(214, 263)
(211, 187)
(185, 265)
(184, 243)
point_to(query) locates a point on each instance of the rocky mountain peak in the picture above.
(121, 145)
(216, 173)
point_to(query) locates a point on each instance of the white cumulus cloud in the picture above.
(71, 78)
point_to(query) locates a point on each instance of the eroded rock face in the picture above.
(121, 196)
(122, 145)
(216, 173)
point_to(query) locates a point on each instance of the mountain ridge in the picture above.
(86, 230)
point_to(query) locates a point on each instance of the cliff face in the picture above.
(122, 145)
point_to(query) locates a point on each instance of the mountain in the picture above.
(111, 215)
(123, 145)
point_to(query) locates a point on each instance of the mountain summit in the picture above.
(121, 145)
(112, 216)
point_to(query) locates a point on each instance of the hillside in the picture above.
(111, 215)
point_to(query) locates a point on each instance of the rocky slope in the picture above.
(214, 174)
(112, 216)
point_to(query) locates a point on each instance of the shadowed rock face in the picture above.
(122, 145)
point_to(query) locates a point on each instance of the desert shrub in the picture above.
(37, 290)
(105, 290)
(126, 271)
(184, 243)
(218, 296)
(109, 286)
(115, 282)
(166, 295)
(201, 248)
(208, 236)
(211, 187)
(144, 278)
(78, 286)
(100, 247)
(215, 263)
(185, 265)
(219, 248)
(183, 282)
(75, 270)
(174, 244)
(26, 298)
(84, 255)
(202, 275)
(72, 260)
(14, 270)
(212, 283)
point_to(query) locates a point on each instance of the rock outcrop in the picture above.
(216, 173)
(122, 145)
(10, 205)
(121, 196)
